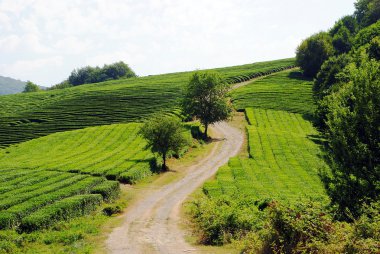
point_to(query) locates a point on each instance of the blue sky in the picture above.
(44, 40)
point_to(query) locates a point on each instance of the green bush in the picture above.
(109, 190)
(61, 210)
(111, 210)
(221, 220)
(298, 229)
(136, 173)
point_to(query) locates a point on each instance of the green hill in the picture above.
(27, 116)
(10, 85)
(284, 153)
(287, 90)
(115, 151)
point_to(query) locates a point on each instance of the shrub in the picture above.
(61, 210)
(298, 229)
(224, 219)
(111, 210)
(136, 173)
(109, 190)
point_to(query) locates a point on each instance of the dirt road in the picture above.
(151, 225)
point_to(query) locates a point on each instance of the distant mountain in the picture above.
(10, 85)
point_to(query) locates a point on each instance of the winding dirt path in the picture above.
(151, 225)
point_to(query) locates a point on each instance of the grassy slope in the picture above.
(283, 146)
(27, 116)
(287, 91)
(108, 151)
(283, 164)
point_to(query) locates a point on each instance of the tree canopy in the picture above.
(31, 87)
(89, 74)
(353, 121)
(164, 135)
(206, 98)
(313, 51)
(367, 11)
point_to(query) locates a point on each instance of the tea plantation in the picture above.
(283, 164)
(287, 90)
(27, 116)
(283, 146)
(115, 151)
(34, 199)
(61, 150)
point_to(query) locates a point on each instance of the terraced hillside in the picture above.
(287, 90)
(283, 164)
(34, 199)
(27, 116)
(284, 147)
(115, 151)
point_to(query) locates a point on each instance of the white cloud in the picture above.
(5, 22)
(26, 69)
(153, 36)
(9, 43)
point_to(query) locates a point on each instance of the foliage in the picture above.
(365, 35)
(87, 75)
(367, 12)
(365, 237)
(349, 22)
(328, 75)
(206, 98)
(374, 48)
(223, 219)
(354, 138)
(342, 41)
(164, 135)
(31, 87)
(342, 34)
(301, 228)
(64, 84)
(288, 91)
(313, 51)
(111, 210)
(326, 82)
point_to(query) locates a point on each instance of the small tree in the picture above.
(31, 87)
(206, 98)
(164, 136)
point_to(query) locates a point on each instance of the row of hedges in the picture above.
(243, 78)
(62, 210)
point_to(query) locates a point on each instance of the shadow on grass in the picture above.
(298, 76)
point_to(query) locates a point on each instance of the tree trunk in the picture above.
(164, 162)
(206, 128)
